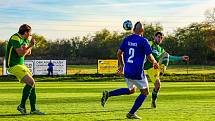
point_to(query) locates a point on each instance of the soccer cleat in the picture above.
(153, 105)
(104, 98)
(22, 110)
(37, 112)
(133, 116)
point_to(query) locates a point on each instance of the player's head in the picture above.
(138, 28)
(25, 30)
(158, 37)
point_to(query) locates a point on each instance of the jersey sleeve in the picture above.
(175, 58)
(15, 42)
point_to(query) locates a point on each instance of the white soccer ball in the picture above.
(127, 25)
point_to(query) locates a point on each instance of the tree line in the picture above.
(196, 40)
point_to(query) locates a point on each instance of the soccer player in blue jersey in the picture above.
(131, 56)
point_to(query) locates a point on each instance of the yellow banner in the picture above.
(107, 66)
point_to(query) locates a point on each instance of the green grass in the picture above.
(80, 101)
(172, 69)
(190, 69)
(81, 69)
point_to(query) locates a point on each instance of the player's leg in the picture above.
(157, 85)
(22, 75)
(155, 92)
(49, 72)
(32, 98)
(154, 75)
(52, 73)
(32, 95)
(144, 89)
(27, 79)
(122, 91)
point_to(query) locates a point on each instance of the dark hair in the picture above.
(24, 28)
(137, 27)
(159, 33)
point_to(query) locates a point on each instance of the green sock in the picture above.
(25, 94)
(154, 95)
(32, 99)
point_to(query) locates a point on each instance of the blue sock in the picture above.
(140, 99)
(121, 91)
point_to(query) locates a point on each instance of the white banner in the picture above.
(30, 65)
(39, 67)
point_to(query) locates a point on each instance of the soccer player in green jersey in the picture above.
(18, 47)
(163, 58)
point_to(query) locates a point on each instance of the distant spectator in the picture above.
(50, 68)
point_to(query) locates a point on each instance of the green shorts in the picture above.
(154, 74)
(20, 71)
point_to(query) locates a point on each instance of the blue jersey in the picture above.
(135, 49)
(50, 66)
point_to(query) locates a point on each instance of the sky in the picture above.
(58, 19)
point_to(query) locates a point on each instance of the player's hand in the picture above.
(33, 42)
(185, 58)
(24, 47)
(120, 70)
(155, 65)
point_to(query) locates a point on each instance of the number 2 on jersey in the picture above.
(131, 55)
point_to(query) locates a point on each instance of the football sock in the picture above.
(121, 91)
(154, 95)
(25, 95)
(32, 99)
(140, 99)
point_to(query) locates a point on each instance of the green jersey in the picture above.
(12, 58)
(157, 50)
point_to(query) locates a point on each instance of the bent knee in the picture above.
(145, 92)
(31, 83)
(133, 90)
(157, 85)
(29, 80)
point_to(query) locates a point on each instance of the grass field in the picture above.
(190, 69)
(80, 101)
(172, 69)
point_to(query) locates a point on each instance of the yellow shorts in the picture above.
(154, 74)
(20, 71)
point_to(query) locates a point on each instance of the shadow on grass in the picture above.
(10, 115)
(84, 112)
(101, 111)
(114, 119)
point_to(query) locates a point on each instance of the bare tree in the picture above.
(210, 15)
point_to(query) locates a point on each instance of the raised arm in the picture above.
(25, 50)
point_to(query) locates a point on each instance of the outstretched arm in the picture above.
(178, 58)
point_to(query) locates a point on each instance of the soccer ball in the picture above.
(127, 25)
